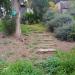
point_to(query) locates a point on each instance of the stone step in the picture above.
(45, 46)
(45, 40)
(49, 50)
(42, 37)
(44, 34)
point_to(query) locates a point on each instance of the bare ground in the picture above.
(26, 48)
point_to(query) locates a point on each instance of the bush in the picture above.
(9, 25)
(49, 15)
(51, 65)
(21, 68)
(61, 24)
(61, 64)
(65, 32)
(59, 20)
(28, 18)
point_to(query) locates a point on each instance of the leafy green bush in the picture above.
(51, 65)
(49, 15)
(59, 20)
(28, 17)
(66, 32)
(21, 68)
(63, 63)
(9, 25)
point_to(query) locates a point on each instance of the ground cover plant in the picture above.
(27, 29)
(20, 68)
(1, 26)
(60, 64)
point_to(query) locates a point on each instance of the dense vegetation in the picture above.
(62, 63)
(62, 24)
(20, 68)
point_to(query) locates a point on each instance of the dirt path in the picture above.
(12, 49)
(46, 40)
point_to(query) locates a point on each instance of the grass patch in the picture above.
(27, 29)
(21, 68)
(1, 26)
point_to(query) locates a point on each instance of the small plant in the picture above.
(9, 25)
(28, 18)
(21, 68)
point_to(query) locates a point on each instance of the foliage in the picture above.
(49, 15)
(39, 7)
(63, 32)
(9, 25)
(53, 6)
(27, 29)
(66, 32)
(62, 63)
(1, 26)
(6, 4)
(28, 17)
(59, 21)
(21, 68)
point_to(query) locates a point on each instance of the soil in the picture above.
(12, 49)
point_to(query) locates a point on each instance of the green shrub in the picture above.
(49, 15)
(9, 25)
(28, 18)
(21, 68)
(63, 63)
(51, 65)
(68, 61)
(66, 32)
(72, 33)
(59, 20)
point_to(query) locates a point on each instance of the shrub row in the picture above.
(61, 64)
(62, 24)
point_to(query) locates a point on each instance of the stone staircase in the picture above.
(42, 42)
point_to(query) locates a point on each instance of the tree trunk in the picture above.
(16, 6)
(18, 28)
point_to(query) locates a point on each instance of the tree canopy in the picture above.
(6, 4)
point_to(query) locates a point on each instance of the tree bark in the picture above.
(16, 6)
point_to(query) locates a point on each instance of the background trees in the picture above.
(39, 7)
